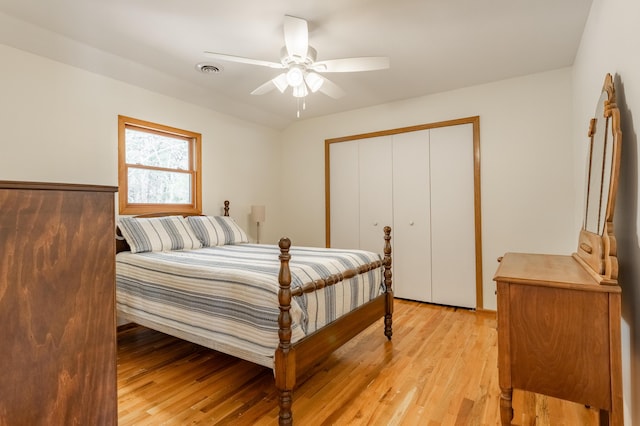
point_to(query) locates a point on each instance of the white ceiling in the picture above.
(433, 45)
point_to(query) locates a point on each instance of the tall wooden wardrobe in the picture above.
(423, 181)
(57, 304)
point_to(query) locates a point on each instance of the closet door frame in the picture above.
(475, 121)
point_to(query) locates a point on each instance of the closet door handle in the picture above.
(375, 223)
(411, 223)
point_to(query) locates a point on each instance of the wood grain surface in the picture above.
(439, 369)
(57, 307)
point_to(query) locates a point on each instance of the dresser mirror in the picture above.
(596, 176)
(596, 246)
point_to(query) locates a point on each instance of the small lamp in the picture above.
(258, 215)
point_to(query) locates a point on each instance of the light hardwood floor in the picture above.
(439, 369)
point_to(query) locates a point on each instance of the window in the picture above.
(158, 168)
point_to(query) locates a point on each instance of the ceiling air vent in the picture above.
(209, 68)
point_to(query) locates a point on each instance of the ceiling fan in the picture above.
(302, 69)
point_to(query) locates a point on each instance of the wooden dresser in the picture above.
(57, 304)
(558, 333)
(559, 316)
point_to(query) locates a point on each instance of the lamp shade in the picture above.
(258, 213)
(281, 82)
(300, 91)
(295, 76)
(314, 81)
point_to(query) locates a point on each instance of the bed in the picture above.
(284, 307)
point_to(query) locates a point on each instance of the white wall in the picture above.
(59, 124)
(526, 163)
(610, 45)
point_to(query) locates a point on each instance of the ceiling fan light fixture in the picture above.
(314, 81)
(300, 91)
(295, 76)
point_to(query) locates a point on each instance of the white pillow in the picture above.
(217, 230)
(158, 234)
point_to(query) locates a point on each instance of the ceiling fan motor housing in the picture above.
(288, 60)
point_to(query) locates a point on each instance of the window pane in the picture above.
(150, 149)
(158, 187)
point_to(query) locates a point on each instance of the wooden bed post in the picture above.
(226, 207)
(388, 320)
(285, 370)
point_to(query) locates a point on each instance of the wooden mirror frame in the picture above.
(597, 247)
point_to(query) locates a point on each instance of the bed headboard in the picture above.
(121, 243)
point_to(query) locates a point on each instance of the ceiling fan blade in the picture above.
(242, 60)
(369, 63)
(264, 88)
(296, 36)
(331, 89)
(280, 83)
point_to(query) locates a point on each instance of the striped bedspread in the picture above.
(226, 297)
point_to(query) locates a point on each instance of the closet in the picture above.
(423, 181)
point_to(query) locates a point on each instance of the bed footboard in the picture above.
(287, 368)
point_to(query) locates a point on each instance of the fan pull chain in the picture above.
(304, 105)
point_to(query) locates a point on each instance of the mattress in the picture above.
(225, 297)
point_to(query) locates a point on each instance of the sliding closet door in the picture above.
(421, 182)
(344, 195)
(360, 193)
(411, 216)
(452, 216)
(376, 210)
